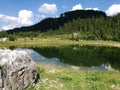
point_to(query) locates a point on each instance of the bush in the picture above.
(12, 38)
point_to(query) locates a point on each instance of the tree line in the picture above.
(88, 24)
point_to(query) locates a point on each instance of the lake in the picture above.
(76, 56)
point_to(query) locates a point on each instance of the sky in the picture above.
(18, 13)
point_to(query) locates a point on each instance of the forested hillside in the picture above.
(80, 24)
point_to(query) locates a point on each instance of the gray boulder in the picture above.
(17, 70)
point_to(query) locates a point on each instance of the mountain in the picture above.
(54, 23)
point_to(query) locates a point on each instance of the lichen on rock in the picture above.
(17, 70)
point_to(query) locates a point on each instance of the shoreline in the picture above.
(53, 42)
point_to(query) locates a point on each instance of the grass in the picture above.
(59, 78)
(52, 42)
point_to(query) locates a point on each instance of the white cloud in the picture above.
(95, 9)
(7, 19)
(48, 8)
(77, 7)
(7, 27)
(24, 19)
(113, 10)
(41, 16)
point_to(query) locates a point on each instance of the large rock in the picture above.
(17, 70)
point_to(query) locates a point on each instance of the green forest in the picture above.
(75, 25)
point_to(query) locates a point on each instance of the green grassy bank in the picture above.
(59, 78)
(52, 42)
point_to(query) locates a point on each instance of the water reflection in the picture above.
(78, 57)
(37, 57)
(84, 56)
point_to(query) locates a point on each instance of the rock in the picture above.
(17, 70)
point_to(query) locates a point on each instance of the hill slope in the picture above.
(55, 23)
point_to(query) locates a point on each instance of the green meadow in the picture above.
(59, 78)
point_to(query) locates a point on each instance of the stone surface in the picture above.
(17, 70)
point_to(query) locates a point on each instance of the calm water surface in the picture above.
(77, 57)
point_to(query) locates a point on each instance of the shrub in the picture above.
(12, 38)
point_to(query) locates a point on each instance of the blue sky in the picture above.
(17, 13)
